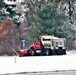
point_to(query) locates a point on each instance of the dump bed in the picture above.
(53, 42)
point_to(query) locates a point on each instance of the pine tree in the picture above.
(2, 10)
(46, 19)
(7, 11)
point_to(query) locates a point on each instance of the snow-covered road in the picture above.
(37, 63)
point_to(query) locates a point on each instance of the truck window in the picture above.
(46, 39)
(37, 40)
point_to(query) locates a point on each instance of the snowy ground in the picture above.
(38, 63)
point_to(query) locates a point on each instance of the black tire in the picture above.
(32, 52)
(59, 52)
(47, 52)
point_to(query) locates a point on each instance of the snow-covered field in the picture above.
(38, 63)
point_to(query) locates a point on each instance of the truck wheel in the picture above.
(59, 52)
(47, 52)
(32, 52)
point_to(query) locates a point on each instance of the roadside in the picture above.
(35, 64)
(72, 72)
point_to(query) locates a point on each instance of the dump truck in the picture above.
(47, 45)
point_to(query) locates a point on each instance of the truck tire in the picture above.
(47, 52)
(32, 52)
(59, 52)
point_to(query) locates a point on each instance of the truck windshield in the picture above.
(46, 39)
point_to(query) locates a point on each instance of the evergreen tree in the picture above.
(45, 19)
(2, 10)
(8, 11)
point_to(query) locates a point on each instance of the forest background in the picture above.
(28, 19)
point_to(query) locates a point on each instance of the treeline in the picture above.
(52, 17)
(32, 18)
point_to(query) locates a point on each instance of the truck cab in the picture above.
(36, 47)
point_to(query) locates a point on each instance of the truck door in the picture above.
(37, 44)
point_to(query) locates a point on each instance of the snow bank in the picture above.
(36, 63)
(71, 52)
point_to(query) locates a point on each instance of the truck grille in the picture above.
(60, 47)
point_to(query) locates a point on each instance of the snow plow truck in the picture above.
(46, 45)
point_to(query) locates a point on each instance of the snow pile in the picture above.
(71, 52)
(37, 63)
